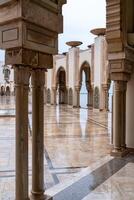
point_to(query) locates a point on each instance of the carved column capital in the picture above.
(38, 81)
(21, 75)
(120, 86)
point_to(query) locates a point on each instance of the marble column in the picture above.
(45, 95)
(66, 96)
(90, 97)
(76, 97)
(119, 118)
(53, 96)
(106, 98)
(21, 76)
(38, 81)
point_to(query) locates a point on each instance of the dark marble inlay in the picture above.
(50, 165)
(87, 184)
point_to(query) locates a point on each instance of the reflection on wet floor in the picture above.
(74, 139)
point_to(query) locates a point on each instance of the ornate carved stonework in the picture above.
(30, 25)
(19, 56)
(114, 26)
(120, 22)
(120, 86)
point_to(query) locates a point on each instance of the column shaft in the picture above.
(90, 98)
(21, 87)
(45, 95)
(76, 97)
(119, 115)
(38, 81)
(53, 96)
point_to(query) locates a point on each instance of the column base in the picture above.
(76, 106)
(89, 105)
(119, 153)
(37, 196)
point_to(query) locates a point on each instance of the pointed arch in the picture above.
(86, 68)
(7, 91)
(61, 85)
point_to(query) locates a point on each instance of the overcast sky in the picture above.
(80, 16)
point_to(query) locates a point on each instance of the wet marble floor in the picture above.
(77, 146)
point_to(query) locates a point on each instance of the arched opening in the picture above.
(2, 91)
(85, 83)
(61, 86)
(7, 91)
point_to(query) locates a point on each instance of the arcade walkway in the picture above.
(77, 161)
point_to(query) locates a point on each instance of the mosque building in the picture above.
(51, 147)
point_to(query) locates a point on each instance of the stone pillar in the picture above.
(21, 75)
(106, 98)
(53, 96)
(90, 97)
(119, 118)
(62, 95)
(76, 97)
(66, 96)
(45, 95)
(38, 81)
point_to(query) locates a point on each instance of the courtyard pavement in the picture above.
(77, 142)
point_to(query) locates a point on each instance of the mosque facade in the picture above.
(64, 80)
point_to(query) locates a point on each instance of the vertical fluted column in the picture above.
(38, 81)
(119, 117)
(21, 76)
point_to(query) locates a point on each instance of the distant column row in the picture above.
(71, 97)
